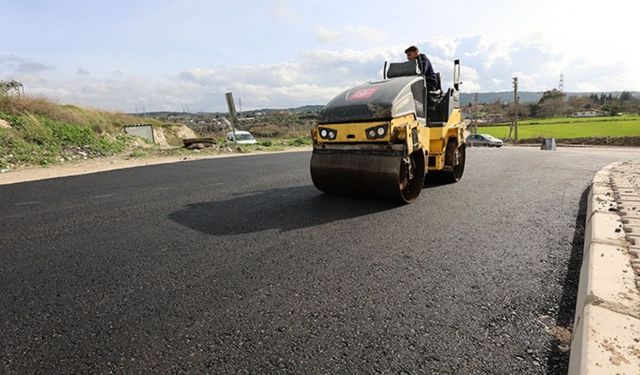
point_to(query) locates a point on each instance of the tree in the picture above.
(625, 96)
(552, 104)
(551, 95)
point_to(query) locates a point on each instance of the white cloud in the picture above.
(324, 35)
(529, 82)
(587, 87)
(22, 65)
(360, 35)
(281, 10)
(440, 45)
(368, 34)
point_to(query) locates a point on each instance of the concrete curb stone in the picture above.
(607, 319)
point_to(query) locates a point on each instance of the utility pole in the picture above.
(232, 113)
(475, 113)
(515, 106)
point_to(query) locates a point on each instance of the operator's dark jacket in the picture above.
(428, 72)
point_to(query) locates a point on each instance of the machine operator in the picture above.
(426, 68)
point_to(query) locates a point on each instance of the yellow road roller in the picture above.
(383, 138)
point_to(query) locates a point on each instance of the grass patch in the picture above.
(40, 140)
(578, 129)
(137, 154)
(271, 144)
(301, 141)
(97, 120)
(569, 120)
(15, 150)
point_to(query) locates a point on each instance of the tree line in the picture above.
(554, 103)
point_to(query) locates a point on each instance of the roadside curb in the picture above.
(606, 334)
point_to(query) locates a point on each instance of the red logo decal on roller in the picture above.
(362, 94)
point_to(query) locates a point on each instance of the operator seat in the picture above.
(403, 69)
(437, 103)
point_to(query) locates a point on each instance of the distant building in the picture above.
(588, 114)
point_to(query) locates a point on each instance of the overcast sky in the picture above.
(173, 55)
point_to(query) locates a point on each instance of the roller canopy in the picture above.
(371, 101)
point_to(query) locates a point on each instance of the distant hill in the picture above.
(465, 99)
(302, 109)
(502, 96)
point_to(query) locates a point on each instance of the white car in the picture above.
(242, 138)
(484, 140)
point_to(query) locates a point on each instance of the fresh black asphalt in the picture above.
(240, 265)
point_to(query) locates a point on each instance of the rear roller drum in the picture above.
(455, 159)
(458, 158)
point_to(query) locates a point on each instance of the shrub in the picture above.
(301, 141)
(137, 154)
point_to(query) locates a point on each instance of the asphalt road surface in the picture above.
(241, 265)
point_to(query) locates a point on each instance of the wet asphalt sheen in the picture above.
(240, 265)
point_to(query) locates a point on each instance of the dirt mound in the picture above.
(158, 136)
(184, 132)
(172, 135)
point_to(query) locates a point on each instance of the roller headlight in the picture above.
(327, 133)
(377, 132)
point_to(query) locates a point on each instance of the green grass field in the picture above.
(619, 126)
(573, 120)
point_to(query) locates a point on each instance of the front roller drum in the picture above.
(389, 176)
